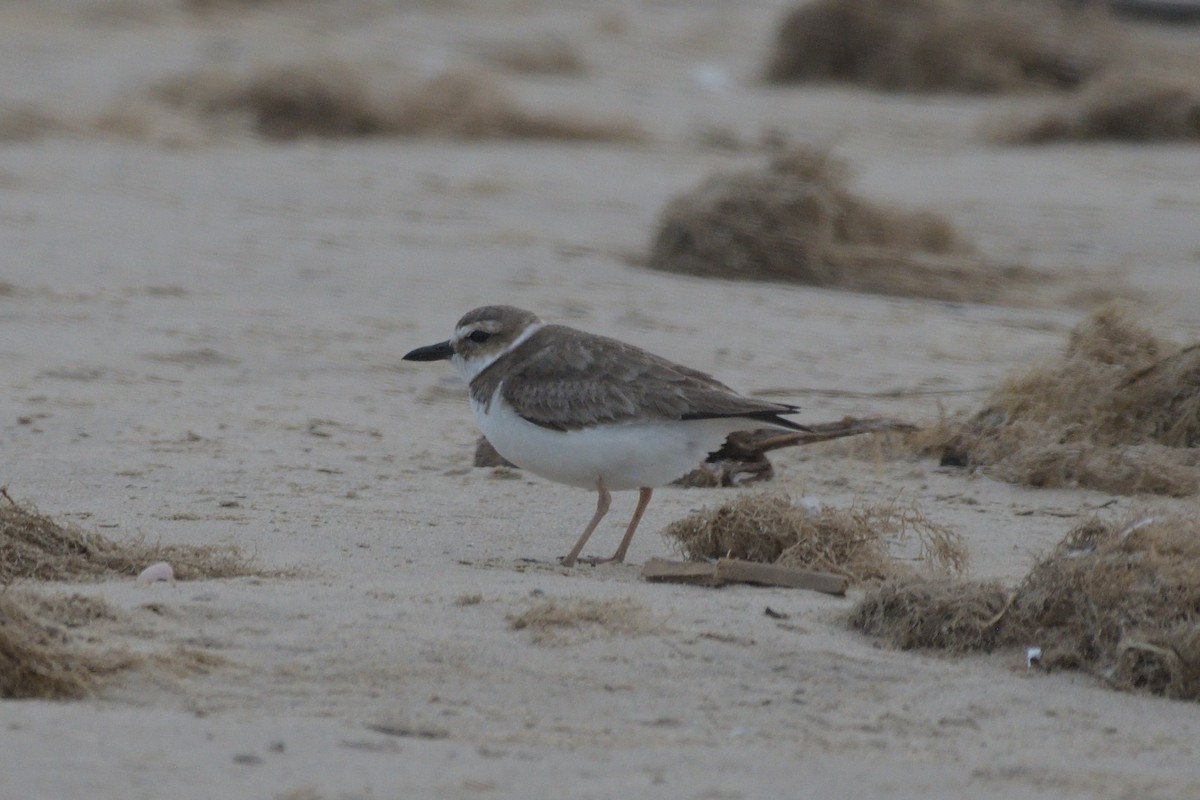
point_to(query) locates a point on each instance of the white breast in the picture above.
(624, 456)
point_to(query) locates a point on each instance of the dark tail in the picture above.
(769, 416)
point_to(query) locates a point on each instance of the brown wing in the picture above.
(565, 379)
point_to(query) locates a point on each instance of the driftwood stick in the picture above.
(733, 570)
(699, 573)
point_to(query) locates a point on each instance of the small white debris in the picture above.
(157, 573)
(810, 505)
(1033, 657)
(712, 78)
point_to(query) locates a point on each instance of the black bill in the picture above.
(434, 352)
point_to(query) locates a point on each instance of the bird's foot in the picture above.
(595, 562)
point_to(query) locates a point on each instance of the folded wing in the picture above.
(565, 379)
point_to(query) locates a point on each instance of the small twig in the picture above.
(1008, 603)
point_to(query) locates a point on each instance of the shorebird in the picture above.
(590, 411)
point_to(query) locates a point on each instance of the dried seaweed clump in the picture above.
(855, 542)
(335, 101)
(558, 622)
(797, 221)
(1118, 600)
(973, 46)
(39, 658)
(1119, 412)
(32, 545)
(1122, 108)
(933, 612)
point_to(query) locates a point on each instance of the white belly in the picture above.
(624, 456)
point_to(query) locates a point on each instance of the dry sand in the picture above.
(200, 343)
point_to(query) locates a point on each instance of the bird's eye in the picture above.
(479, 337)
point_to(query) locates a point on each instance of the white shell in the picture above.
(156, 573)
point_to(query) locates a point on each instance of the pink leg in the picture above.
(643, 501)
(602, 503)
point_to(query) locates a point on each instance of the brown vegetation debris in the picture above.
(740, 460)
(1181, 11)
(72, 610)
(339, 101)
(935, 612)
(854, 542)
(1118, 600)
(38, 659)
(552, 621)
(548, 55)
(1123, 108)
(797, 221)
(1119, 411)
(27, 123)
(34, 546)
(743, 458)
(974, 46)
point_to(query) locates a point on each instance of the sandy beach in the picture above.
(201, 334)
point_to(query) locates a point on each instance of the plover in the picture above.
(590, 411)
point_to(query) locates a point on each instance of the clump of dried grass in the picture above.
(1118, 600)
(35, 546)
(934, 612)
(1119, 412)
(559, 621)
(975, 46)
(1122, 108)
(69, 610)
(38, 659)
(798, 221)
(855, 542)
(339, 101)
